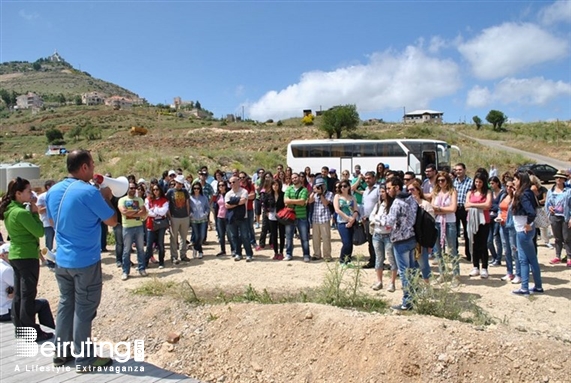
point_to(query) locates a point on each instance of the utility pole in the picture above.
(242, 112)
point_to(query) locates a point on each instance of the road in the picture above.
(534, 156)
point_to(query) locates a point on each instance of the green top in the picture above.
(24, 229)
(131, 204)
(300, 211)
(362, 186)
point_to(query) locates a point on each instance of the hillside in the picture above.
(52, 76)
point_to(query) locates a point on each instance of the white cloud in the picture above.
(28, 16)
(389, 80)
(527, 91)
(509, 48)
(560, 11)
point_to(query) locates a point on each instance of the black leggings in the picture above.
(26, 274)
(480, 247)
(275, 228)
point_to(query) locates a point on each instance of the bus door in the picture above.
(346, 164)
(428, 157)
(414, 164)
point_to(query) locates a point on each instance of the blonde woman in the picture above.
(415, 190)
(347, 215)
(444, 203)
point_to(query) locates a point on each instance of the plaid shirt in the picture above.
(462, 187)
(321, 213)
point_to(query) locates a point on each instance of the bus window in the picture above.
(342, 150)
(319, 151)
(390, 149)
(365, 150)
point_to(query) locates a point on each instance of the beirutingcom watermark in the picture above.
(27, 347)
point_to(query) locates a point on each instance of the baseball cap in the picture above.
(179, 179)
(5, 248)
(172, 173)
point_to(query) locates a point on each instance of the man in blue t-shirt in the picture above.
(76, 209)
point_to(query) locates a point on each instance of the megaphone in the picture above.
(49, 255)
(118, 186)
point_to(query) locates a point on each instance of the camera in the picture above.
(9, 290)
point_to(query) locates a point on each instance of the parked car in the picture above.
(543, 171)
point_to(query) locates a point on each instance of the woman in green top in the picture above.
(24, 228)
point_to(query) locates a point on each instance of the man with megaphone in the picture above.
(76, 209)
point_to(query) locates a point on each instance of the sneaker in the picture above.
(118, 264)
(220, 254)
(98, 362)
(475, 272)
(124, 277)
(161, 267)
(153, 260)
(568, 263)
(401, 308)
(259, 248)
(175, 261)
(555, 261)
(185, 259)
(484, 274)
(549, 246)
(257, 225)
(520, 292)
(536, 290)
(288, 258)
(306, 259)
(280, 257)
(391, 288)
(249, 259)
(238, 258)
(508, 277)
(316, 258)
(194, 254)
(495, 263)
(62, 360)
(455, 282)
(200, 255)
(143, 273)
(516, 280)
(377, 286)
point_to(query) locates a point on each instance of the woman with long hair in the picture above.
(494, 240)
(478, 204)
(264, 188)
(445, 203)
(199, 210)
(220, 220)
(347, 215)
(157, 206)
(25, 228)
(380, 173)
(415, 190)
(507, 232)
(273, 202)
(523, 210)
(557, 206)
(382, 239)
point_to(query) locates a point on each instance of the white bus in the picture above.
(344, 154)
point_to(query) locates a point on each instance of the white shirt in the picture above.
(6, 280)
(42, 203)
(242, 193)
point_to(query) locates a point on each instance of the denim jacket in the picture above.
(527, 205)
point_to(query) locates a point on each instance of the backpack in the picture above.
(425, 231)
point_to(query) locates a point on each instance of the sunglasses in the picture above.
(155, 189)
(345, 186)
(195, 188)
(407, 179)
(411, 189)
(132, 188)
(442, 180)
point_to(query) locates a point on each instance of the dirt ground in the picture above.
(529, 340)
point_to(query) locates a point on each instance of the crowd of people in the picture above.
(500, 219)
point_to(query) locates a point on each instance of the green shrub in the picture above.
(279, 123)
(53, 134)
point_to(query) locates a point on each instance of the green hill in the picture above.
(52, 77)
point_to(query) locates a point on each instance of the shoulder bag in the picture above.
(541, 219)
(286, 216)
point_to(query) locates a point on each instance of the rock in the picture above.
(309, 315)
(173, 337)
(551, 310)
(521, 328)
(170, 347)
(256, 367)
(443, 358)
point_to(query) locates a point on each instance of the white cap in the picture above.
(141, 181)
(5, 248)
(172, 172)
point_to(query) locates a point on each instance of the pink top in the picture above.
(221, 207)
(475, 199)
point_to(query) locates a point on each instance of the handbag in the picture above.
(541, 219)
(286, 216)
(359, 235)
(160, 223)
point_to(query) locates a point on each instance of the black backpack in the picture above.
(425, 231)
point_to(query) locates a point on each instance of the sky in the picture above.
(273, 59)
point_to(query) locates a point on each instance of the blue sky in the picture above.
(274, 58)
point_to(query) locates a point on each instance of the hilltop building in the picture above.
(118, 102)
(93, 98)
(423, 116)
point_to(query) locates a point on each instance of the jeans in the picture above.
(510, 250)
(199, 231)
(133, 235)
(49, 236)
(423, 264)
(221, 229)
(158, 237)
(80, 295)
(118, 233)
(346, 234)
(240, 235)
(562, 235)
(303, 228)
(528, 259)
(26, 274)
(451, 240)
(251, 232)
(494, 242)
(404, 256)
(383, 250)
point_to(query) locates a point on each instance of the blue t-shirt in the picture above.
(78, 232)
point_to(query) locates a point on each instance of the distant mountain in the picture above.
(52, 76)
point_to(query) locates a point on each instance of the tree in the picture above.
(340, 118)
(37, 66)
(478, 121)
(197, 105)
(75, 133)
(61, 99)
(5, 96)
(53, 135)
(78, 100)
(496, 118)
